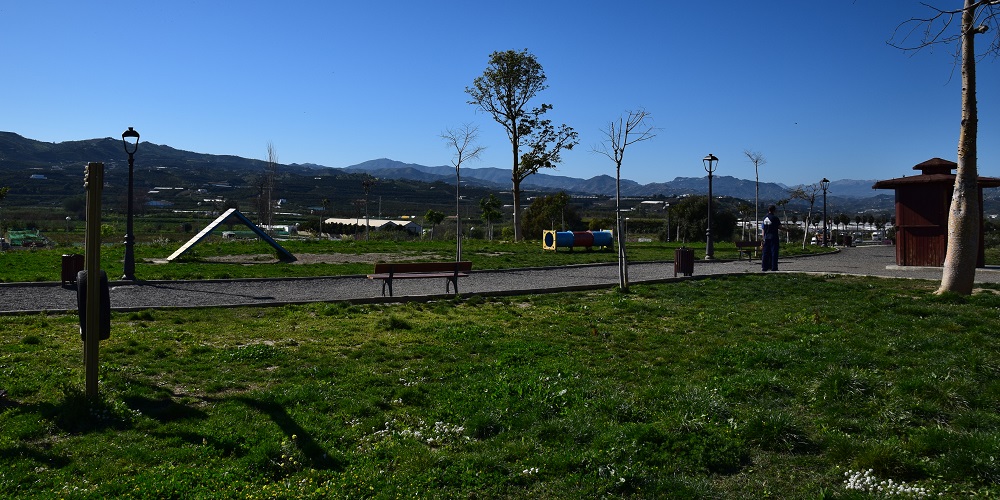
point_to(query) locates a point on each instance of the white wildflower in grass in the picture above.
(411, 383)
(865, 481)
(617, 475)
(530, 471)
(436, 435)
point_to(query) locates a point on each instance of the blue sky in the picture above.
(811, 85)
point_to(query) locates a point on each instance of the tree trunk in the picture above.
(622, 259)
(516, 185)
(517, 211)
(758, 229)
(805, 225)
(959, 271)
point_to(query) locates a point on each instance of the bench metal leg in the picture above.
(385, 282)
(449, 282)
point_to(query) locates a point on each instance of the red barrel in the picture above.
(583, 239)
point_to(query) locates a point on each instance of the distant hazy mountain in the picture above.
(32, 153)
(603, 184)
(23, 152)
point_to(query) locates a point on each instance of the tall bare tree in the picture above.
(758, 160)
(368, 183)
(783, 204)
(3, 223)
(808, 194)
(271, 172)
(463, 142)
(975, 17)
(326, 210)
(627, 130)
(511, 80)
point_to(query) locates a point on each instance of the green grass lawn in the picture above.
(754, 386)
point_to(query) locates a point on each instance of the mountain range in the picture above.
(498, 178)
(19, 155)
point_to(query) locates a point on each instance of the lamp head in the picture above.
(130, 134)
(710, 161)
(824, 184)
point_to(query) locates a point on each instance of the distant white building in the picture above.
(377, 224)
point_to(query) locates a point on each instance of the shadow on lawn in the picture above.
(318, 457)
(75, 413)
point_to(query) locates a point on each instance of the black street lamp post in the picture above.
(129, 273)
(824, 184)
(710, 162)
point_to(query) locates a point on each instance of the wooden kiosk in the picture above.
(922, 205)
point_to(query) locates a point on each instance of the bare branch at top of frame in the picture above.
(918, 33)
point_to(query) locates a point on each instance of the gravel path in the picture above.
(39, 297)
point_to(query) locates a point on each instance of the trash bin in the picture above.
(71, 264)
(683, 261)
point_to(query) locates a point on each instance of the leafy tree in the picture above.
(691, 216)
(743, 209)
(434, 218)
(976, 17)
(491, 213)
(549, 212)
(598, 223)
(76, 205)
(511, 80)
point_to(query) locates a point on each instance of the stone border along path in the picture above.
(22, 298)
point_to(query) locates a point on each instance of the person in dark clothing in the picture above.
(770, 226)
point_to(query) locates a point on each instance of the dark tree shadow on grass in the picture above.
(318, 457)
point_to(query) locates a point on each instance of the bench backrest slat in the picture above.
(423, 267)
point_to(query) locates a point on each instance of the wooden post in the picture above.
(93, 183)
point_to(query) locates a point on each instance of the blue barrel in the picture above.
(602, 238)
(564, 239)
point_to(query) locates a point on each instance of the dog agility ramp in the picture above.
(283, 254)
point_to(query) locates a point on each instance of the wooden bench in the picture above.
(750, 248)
(450, 271)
